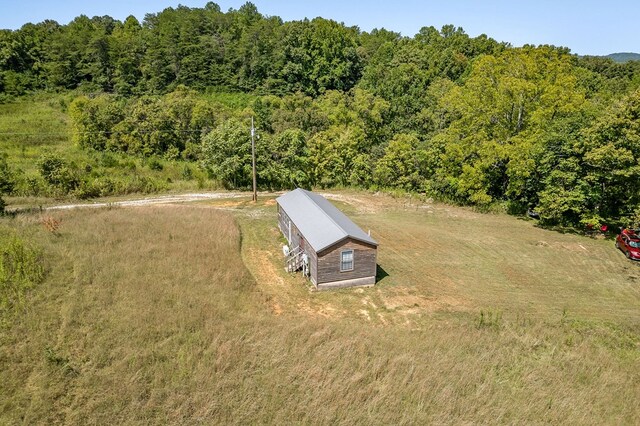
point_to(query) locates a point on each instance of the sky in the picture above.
(587, 27)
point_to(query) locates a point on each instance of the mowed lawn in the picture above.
(184, 314)
(477, 261)
(436, 258)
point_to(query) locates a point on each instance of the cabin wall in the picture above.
(284, 223)
(364, 265)
(298, 240)
(313, 266)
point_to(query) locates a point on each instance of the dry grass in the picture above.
(149, 315)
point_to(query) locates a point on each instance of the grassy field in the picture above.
(36, 126)
(184, 314)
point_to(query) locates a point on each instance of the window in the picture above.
(346, 260)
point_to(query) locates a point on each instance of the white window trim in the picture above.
(353, 260)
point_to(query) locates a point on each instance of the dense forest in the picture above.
(464, 119)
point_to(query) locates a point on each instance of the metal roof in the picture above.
(319, 221)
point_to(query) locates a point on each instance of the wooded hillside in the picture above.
(464, 119)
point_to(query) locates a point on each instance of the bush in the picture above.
(20, 270)
(57, 173)
(187, 173)
(6, 181)
(155, 164)
(108, 160)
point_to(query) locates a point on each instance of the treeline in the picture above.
(469, 120)
(198, 47)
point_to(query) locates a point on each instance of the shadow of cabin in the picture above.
(380, 273)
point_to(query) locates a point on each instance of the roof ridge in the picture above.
(306, 194)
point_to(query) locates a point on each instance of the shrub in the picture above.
(20, 270)
(187, 173)
(57, 173)
(155, 164)
(6, 181)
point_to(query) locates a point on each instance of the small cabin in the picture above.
(324, 243)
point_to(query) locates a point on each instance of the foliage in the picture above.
(94, 120)
(501, 113)
(403, 164)
(20, 270)
(226, 153)
(283, 160)
(58, 173)
(467, 119)
(611, 162)
(147, 125)
(6, 180)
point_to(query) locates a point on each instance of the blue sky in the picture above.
(586, 27)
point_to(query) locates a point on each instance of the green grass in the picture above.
(184, 314)
(38, 125)
(32, 125)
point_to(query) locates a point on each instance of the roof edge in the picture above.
(346, 237)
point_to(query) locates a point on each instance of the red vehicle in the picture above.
(629, 242)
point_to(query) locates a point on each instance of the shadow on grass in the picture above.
(610, 234)
(593, 233)
(380, 274)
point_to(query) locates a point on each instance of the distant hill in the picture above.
(624, 57)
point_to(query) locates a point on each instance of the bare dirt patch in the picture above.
(409, 302)
(284, 292)
(227, 203)
(371, 204)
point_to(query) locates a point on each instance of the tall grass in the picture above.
(150, 316)
(21, 270)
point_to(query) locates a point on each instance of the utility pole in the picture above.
(253, 159)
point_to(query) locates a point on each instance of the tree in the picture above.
(226, 154)
(58, 173)
(147, 128)
(126, 50)
(403, 164)
(94, 120)
(283, 160)
(339, 158)
(612, 160)
(318, 55)
(79, 54)
(499, 117)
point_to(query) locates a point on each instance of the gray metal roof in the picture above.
(319, 221)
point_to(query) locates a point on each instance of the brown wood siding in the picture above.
(283, 222)
(313, 265)
(364, 262)
(296, 236)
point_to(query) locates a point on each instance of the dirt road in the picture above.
(161, 199)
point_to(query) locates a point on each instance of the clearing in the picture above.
(182, 313)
